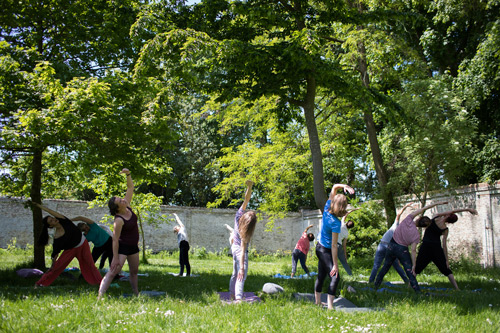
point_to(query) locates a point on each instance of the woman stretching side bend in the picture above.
(431, 248)
(125, 239)
(406, 234)
(244, 226)
(69, 239)
(327, 249)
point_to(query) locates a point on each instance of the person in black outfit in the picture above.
(431, 248)
(182, 239)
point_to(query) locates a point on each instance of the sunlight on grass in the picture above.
(191, 304)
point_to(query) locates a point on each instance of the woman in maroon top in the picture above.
(125, 238)
(69, 239)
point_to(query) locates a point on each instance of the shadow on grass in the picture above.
(204, 287)
(201, 288)
(466, 300)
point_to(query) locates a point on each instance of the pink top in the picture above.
(303, 243)
(406, 233)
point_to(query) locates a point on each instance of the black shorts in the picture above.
(127, 249)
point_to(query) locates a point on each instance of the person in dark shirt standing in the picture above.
(70, 240)
(431, 248)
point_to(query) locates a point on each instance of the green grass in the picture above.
(192, 304)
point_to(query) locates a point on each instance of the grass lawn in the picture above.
(192, 304)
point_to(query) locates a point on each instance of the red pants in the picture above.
(87, 266)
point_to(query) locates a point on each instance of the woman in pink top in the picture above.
(406, 234)
(301, 250)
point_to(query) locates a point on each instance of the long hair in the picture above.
(338, 206)
(247, 224)
(43, 238)
(113, 207)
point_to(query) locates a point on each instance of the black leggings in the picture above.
(184, 257)
(106, 250)
(325, 265)
(431, 252)
(299, 255)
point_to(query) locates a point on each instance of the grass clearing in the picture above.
(192, 304)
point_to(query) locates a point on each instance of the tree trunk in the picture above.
(314, 144)
(36, 186)
(387, 195)
(144, 259)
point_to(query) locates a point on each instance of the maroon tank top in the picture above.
(130, 230)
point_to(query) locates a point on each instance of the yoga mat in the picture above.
(248, 297)
(125, 276)
(184, 275)
(149, 293)
(340, 303)
(303, 276)
(381, 290)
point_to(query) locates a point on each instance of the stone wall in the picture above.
(472, 236)
(205, 227)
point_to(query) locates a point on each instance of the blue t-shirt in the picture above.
(330, 223)
(97, 235)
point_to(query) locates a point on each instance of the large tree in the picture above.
(284, 52)
(47, 113)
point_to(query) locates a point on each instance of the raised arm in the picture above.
(50, 211)
(346, 188)
(423, 209)
(403, 209)
(248, 194)
(309, 227)
(130, 185)
(178, 220)
(229, 228)
(83, 219)
(470, 210)
(349, 212)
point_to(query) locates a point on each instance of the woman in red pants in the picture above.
(70, 240)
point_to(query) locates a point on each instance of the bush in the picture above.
(369, 227)
(200, 252)
(226, 251)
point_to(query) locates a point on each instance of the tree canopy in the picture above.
(393, 98)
